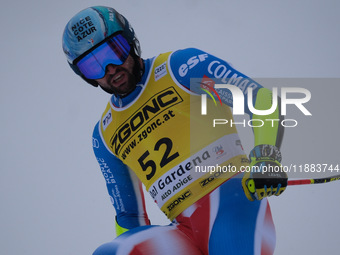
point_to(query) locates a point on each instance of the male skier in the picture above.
(152, 132)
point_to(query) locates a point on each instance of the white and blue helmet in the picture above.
(92, 26)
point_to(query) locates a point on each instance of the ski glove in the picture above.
(265, 176)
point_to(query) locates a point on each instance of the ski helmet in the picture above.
(89, 28)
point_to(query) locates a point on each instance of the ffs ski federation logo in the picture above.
(207, 85)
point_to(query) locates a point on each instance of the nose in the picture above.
(110, 69)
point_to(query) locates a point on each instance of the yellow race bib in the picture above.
(165, 140)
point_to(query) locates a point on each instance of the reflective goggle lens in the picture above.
(114, 51)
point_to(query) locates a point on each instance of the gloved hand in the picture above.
(266, 176)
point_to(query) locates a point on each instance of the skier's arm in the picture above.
(193, 67)
(271, 132)
(123, 186)
(262, 181)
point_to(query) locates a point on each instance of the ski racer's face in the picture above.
(119, 79)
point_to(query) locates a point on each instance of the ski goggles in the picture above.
(114, 51)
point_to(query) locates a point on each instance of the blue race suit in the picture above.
(214, 220)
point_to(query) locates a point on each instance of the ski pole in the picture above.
(314, 181)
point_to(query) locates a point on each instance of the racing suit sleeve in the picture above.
(193, 67)
(124, 188)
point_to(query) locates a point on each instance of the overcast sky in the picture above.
(52, 195)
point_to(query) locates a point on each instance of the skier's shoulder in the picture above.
(187, 58)
(189, 63)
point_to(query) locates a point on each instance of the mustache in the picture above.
(118, 69)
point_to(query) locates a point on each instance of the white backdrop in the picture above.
(53, 198)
